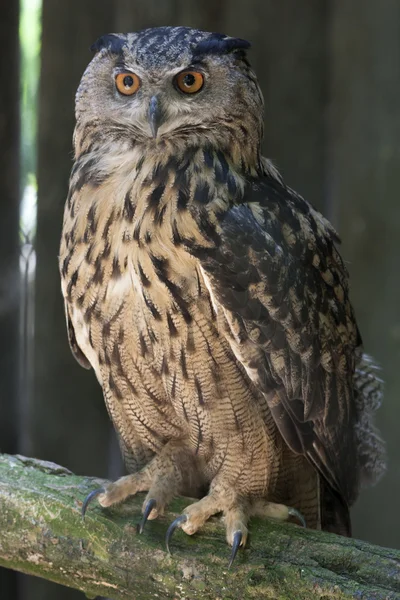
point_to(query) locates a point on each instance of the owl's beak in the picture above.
(154, 115)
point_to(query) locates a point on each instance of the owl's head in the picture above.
(172, 83)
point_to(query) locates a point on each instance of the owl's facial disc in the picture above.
(171, 83)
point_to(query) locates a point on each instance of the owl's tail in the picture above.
(368, 393)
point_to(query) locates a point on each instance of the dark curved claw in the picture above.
(89, 498)
(177, 523)
(150, 504)
(293, 512)
(237, 540)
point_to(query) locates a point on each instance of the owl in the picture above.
(209, 298)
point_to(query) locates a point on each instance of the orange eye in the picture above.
(127, 83)
(189, 82)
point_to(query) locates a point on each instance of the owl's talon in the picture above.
(150, 504)
(179, 521)
(293, 512)
(237, 541)
(89, 499)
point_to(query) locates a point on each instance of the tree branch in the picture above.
(42, 533)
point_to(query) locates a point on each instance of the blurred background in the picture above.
(330, 73)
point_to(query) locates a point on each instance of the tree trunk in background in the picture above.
(365, 185)
(9, 243)
(69, 422)
(9, 226)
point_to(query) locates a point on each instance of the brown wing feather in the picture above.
(282, 285)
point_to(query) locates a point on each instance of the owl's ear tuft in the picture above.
(111, 41)
(221, 44)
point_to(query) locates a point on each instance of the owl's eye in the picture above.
(189, 82)
(127, 83)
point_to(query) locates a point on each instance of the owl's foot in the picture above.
(160, 488)
(162, 478)
(236, 512)
(116, 492)
(264, 509)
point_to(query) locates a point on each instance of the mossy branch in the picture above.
(42, 533)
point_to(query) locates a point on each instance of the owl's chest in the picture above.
(156, 345)
(151, 301)
(144, 317)
(137, 298)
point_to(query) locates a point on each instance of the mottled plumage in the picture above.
(209, 298)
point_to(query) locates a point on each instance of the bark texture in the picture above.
(43, 534)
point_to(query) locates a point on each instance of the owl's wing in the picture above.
(75, 349)
(276, 274)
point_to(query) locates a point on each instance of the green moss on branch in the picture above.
(42, 533)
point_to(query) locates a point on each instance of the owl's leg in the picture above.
(163, 478)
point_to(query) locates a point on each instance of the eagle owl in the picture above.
(209, 298)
